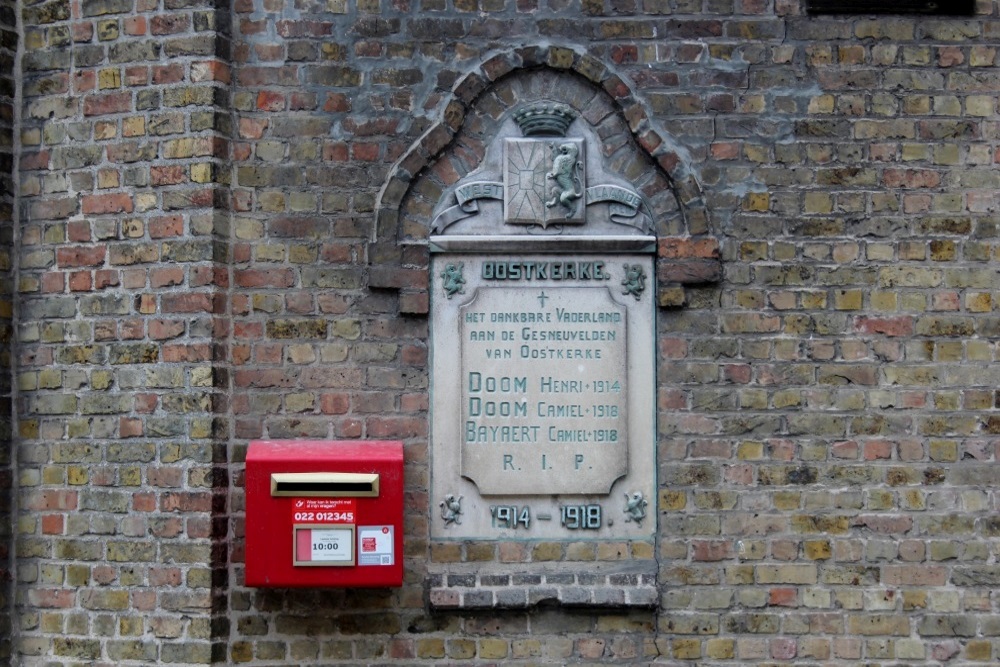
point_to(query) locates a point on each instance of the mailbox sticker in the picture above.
(323, 510)
(324, 546)
(375, 545)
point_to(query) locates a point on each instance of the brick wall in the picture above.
(215, 208)
(122, 340)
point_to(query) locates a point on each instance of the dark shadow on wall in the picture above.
(8, 50)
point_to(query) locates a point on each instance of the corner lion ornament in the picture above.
(451, 509)
(566, 169)
(454, 281)
(635, 507)
(634, 281)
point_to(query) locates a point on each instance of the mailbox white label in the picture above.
(324, 546)
(375, 545)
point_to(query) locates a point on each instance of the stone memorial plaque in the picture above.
(542, 396)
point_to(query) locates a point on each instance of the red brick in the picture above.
(166, 226)
(52, 524)
(187, 352)
(264, 278)
(186, 501)
(169, 175)
(198, 302)
(165, 329)
(136, 75)
(53, 282)
(887, 326)
(252, 128)
(31, 161)
(84, 81)
(268, 100)
(783, 597)
(81, 256)
(119, 202)
(143, 502)
(129, 427)
(78, 231)
(110, 103)
(135, 26)
(52, 500)
(166, 277)
(337, 102)
(80, 281)
(686, 248)
(169, 24)
(51, 598)
(911, 178)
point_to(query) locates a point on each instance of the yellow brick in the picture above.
(720, 649)
(492, 649)
(53, 475)
(817, 549)
(848, 299)
(525, 648)
(432, 647)
(821, 104)
(77, 475)
(818, 202)
(642, 550)
(978, 302)
(672, 501)
(787, 500)
(130, 476)
(750, 451)
(979, 650)
(883, 301)
(105, 130)
(479, 551)
(944, 450)
(447, 552)
(134, 127)
(108, 178)
(757, 201)
(580, 551)
(612, 551)
(109, 78)
(201, 173)
(914, 599)
(544, 551)
(687, 649)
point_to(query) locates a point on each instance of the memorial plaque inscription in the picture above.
(542, 396)
(544, 387)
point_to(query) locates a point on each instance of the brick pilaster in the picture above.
(123, 337)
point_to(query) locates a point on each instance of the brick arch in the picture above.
(688, 250)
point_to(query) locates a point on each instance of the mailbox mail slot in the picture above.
(324, 514)
(324, 484)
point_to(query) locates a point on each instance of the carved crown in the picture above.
(545, 119)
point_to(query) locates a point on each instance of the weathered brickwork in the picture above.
(121, 331)
(220, 236)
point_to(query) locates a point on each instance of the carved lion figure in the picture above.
(564, 172)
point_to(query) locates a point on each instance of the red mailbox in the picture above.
(324, 514)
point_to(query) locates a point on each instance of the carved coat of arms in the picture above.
(545, 178)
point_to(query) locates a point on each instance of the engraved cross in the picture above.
(542, 298)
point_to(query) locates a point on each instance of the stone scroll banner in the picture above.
(624, 205)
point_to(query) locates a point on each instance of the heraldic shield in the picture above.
(544, 181)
